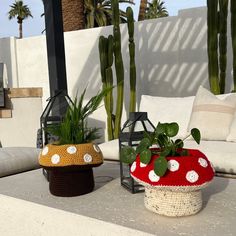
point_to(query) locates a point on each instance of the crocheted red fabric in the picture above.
(192, 170)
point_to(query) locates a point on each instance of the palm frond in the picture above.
(73, 128)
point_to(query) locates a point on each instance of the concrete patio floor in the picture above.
(110, 202)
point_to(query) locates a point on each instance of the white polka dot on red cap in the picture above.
(153, 177)
(133, 167)
(173, 165)
(142, 165)
(202, 162)
(55, 159)
(192, 176)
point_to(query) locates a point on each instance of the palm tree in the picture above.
(142, 10)
(156, 9)
(73, 15)
(99, 12)
(22, 12)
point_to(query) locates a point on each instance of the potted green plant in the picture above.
(172, 175)
(70, 160)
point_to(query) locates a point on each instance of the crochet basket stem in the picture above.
(71, 183)
(170, 203)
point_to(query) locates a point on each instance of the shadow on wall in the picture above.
(171, 56)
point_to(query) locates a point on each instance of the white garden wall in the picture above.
(171, 57)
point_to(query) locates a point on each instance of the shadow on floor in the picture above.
(218, 185)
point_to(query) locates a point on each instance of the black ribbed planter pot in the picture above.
(70, 183)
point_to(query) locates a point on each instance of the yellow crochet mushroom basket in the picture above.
(70, 167)
(70, 155)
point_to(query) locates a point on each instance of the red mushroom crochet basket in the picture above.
(178, 192)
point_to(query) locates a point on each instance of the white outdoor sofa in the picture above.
(221, 153)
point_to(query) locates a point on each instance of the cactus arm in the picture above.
(223, 42)
(233, 35)
(130, 21)
(119, 67)
(102, 56)
(109, 82)
(212, 43)
(106, 60)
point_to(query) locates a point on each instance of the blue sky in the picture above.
(34, 26)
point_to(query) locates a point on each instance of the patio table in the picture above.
(112, 210)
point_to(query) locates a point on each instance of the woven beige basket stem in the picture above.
(170, 203)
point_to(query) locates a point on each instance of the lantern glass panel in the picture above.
(131, 134)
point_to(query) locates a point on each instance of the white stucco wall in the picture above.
(171, 58)
(8, 56)
(21, 129)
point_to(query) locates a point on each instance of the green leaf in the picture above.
(127, 155)
(145, 156)
(172, 129)
(196, 135)
(149, 136)
(179, 143)
(161, 128)
(162, 140)
(143, 145)
(166, 151)
(160, 166)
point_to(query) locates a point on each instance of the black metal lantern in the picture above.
(131, 134)
(53, 113)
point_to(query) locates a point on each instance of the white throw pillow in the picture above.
(212, 115)
(168, 109)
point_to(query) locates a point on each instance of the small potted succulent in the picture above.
(69, 160)
(172, 175)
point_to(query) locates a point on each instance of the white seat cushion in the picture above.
(110, 150)
(222, 154)
(14, 160)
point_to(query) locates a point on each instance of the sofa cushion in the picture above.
(232, 132)
(168, 109)
(110, 150)
(222, 154)
(212, 115)
(14, 160)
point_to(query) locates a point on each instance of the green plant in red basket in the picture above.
(162, 137)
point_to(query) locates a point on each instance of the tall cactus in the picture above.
(109, 82)
(223, 4)
(233, 35)
(118, 65)
(132, 72)
(212, 42)
(107, 48)
(106, 61)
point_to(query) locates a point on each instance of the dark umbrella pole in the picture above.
(55, 46)
(58, 101)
